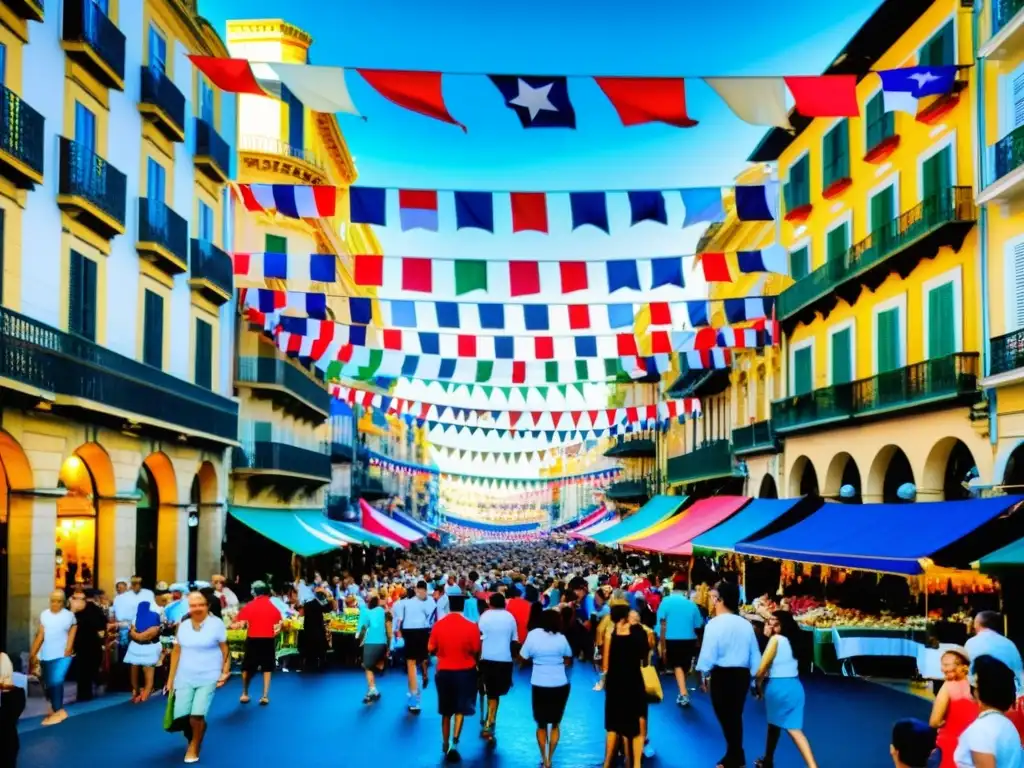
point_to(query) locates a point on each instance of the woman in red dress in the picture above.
(954, 708)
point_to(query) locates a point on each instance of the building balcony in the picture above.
(941, 220)
(698, 382)
(163, 236)
(339, 507)
(758, 437)
(94, 41)
(267, 457)
(53, 370)
(91, 189)
(1004, 170)
(30, 10)
(711, 460)
(213, 154)
(1006, 358)
(21, 140)
(938, 383)
(286, 385)
(162, 103)
(369, 488)
(632, 491)
(211, 272)
(642, 448)
(343, 444)
(1001, 30)
(273, 156)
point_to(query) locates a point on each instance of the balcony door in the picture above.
(842, 356)
(803, 371)
(888, 361)
(941, 321)
(883, 211)
(936, 180)
(157, 50)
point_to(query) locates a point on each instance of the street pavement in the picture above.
(319, 720)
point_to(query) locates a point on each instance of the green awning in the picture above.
(306, 532)
(655, 511)
(1009, 557)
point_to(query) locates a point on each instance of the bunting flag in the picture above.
(509, 398)
(256, 268)
(515, 318)
(754, 100)
(321, 89)
(525, 420)
(512, 457)
(416, 91)
(539, 102)
(307, 334)
(559, 436)
(708, 359)
(902, 88)
(640, 100)
(485, 482)
(531, 211)
(719, 267)
(296, 201)
(824, 95)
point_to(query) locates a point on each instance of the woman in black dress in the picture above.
(625, 705)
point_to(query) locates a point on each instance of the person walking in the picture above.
(200, 664)
(374, 634)
(991, 741)
(779, 682)
(549, 650)
(414, 617)
(625, 649)
(144, 650)
(499, 631)
(728, 659)
(263, 622)
(52, 650)
(89, 642)
(455, 640)
(954, 707)
(679, 620)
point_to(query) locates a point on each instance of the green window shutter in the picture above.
(837, 244)
(936, 178)
(874, 116)
(275, 244)
(803, 381)
(939, 51)
(842, 368)
(883, 209)
(887, 332)
(204, 354)
(827, 158)
(798, 188)
(941, 331)
(841, 150)
(799, 263)
(153, 329)
(82, 296)
(75, 293)
(263, 431)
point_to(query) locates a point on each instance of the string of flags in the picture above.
(545, 102)
(548, 436)
(509, 397)
(517, 318)
(480, 482)
(538, 455)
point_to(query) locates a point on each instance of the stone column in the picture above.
(172, 543)
(32, 543)
(212, 518)
(116, 522)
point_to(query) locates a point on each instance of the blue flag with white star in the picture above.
(539, 102)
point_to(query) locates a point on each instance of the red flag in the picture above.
(523, 278)
(716, 269)
(574, 276)
(518, 371)
(544, 346)
(392, 338)
(415, 91)
(241, 262)
(466, 345)
(632, 415)
(824, 95)
(417, 275)
(706, 338)
(640, 100)
(230, 75)
(529, 211)
(369, 270)
(661, 343)
(579, 316)
(513, 418)
(661, 313)
(626, 343)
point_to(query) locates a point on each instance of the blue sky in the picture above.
(396, 148)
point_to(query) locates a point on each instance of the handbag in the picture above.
(652, 684)
(169, 712)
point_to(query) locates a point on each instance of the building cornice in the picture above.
(252, 30)
(336, 147)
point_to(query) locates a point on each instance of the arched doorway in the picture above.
(950, 467)
(889, 472)
(1013, 475)
(843, 473)
(147, 526)
(15, 532)
(803, 480)
(768, 488)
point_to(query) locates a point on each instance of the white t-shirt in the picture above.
(56, 627)
(498, 629)
(991, 734)
(549, 652)
(201, 660)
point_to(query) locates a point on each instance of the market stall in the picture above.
(379, 524)
(676, 537)
(657, 510)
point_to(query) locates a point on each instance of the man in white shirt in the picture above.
(989, 641)
(412, 624)
(498, 630)
(729, 658)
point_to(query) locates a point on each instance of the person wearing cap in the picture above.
(954, 707)
(263, 622)
(911, 744)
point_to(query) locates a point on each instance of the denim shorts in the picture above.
(193, 701)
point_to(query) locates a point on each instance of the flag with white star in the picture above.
(901, 88)
(539, 102)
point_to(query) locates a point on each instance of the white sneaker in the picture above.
(683, 700)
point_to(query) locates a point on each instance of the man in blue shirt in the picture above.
(679, 620)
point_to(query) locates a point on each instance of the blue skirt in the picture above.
(784, 697)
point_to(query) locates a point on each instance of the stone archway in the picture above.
(17, 554)
(1013, 472)
(158, 515)
(85, 520)
(947, 471)
(889, 470)
(803, 478)
(768, 489)
(843, 471)
(203, 525)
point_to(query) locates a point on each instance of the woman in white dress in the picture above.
(143, 650)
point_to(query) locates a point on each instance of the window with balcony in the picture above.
(941, 320)
(803, 369)
(157, 49)
(936, 175)
(205, 222)
(888, 341)
(836, 154)
(204, 354)
(842, 355)
(938, 51)
(82, 297)
(85, 127)
(881, 125)
(837, 242)
(883, 208)
(156, 180)
(153, 329)
(797, 191)
(800, 262)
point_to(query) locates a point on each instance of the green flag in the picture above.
(582, 370)
(470, 276)
(488, 391)
(551, 371)
(484, 369)
(563, 389)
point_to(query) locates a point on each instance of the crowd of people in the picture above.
(480, 610)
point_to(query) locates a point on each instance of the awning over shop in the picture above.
(653, 512)
(409, 522)
(677, 537)
(601, 525)
(494, 527)
(361, 536)
(891, 538)
(1009, 557)
(379, 523)
(754, 518)
(594, 517)
(306, 532)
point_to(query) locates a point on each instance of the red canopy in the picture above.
(381, 525)
(702, 516)
(590, 519)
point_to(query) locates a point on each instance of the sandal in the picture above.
(264, 701)
(244, 699)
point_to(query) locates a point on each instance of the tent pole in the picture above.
(743, 576)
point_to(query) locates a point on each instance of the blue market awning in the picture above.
(891, 538)
(748, 522)
(306, 532)
(510, 528)
(657, 510)
(410, 522)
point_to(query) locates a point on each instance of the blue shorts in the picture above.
(193, 701)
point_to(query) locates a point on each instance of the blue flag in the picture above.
(901, 88)
(539, 102)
